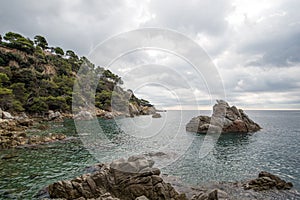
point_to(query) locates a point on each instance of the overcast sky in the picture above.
(254, 45)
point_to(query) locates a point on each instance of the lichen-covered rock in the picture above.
(225, 119)
(134, 178)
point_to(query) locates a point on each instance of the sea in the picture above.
(226, 157)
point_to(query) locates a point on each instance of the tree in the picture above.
(11, 37)
(3, 79)
(40, 41)
(71, 54)
(59, 51)
(5, 93)
(19, 42)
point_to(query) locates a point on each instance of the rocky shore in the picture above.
(225, 119)
(15, 130)
(131, 111)
(136, 178)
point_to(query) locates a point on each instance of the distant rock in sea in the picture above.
(225, 119)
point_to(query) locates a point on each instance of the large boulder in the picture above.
(54, 115)
(225, 119)
(6, 115)
(132, 178)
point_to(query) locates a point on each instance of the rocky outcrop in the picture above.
(228, 190)
(148, 110)
(267, 181)
(225, 119)
(134, 178)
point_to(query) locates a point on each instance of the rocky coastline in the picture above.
(136, 178)
(15, 129)
(225, 119)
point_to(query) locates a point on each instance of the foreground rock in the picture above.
(229, 190)
(267, 181)
(137, 179)
(122, 179)
(225, 119)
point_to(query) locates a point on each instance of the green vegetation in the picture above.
(36, 78)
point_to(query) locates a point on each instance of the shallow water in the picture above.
(234, 156)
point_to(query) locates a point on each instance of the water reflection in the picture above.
(231, 144)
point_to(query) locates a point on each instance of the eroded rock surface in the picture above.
(124, 179)
(225, 119)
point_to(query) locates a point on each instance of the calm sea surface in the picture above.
(232, 157)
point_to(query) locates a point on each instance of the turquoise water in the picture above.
(234, 157)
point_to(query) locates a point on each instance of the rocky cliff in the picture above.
(225, 119)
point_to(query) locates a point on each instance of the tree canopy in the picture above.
(32, 79)
(40, 41)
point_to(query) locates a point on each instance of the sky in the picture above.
(253, 45)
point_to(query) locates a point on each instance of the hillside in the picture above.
(36, 78)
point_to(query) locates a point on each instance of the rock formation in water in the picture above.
(267, 181)
(225, 119)
(135, 178)
(122, 179)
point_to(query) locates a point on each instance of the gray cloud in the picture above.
(190, 16)
(255, 45)
(78, 25)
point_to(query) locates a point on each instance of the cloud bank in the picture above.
(255, 45)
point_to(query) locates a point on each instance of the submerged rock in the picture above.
(134, 178)
(225, 119)
(156, 115)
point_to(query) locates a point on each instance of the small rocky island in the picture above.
(225, 119)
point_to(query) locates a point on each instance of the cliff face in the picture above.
(35, 78)
(225, 119)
